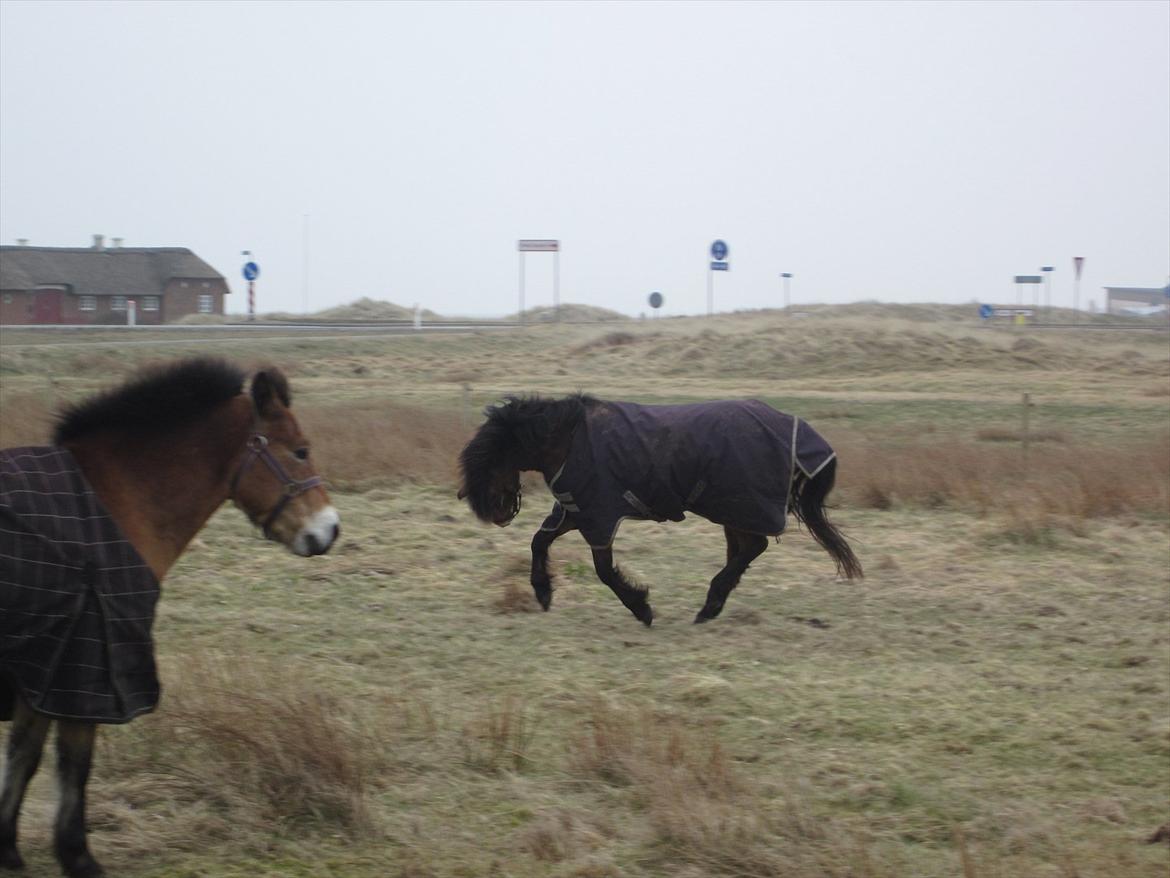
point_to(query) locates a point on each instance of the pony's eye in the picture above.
(302, 453)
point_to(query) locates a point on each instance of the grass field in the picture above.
(993, 699)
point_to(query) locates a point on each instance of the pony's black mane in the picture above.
(515, 434)
(155, 401)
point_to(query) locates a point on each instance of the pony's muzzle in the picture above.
(318, 534)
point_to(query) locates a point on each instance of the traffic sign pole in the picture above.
(718, 256)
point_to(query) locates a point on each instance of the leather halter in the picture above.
(257, 447)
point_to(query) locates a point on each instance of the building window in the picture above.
(8, 298)
(150, 303)
(206, 304)
(206, 285)
(117, 303)
(183, 284)
(87, 303)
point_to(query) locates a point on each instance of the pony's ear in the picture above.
(270, 389)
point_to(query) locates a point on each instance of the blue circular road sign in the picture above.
(656, 300)
(719, 250)
(985, 311)
(251, 271)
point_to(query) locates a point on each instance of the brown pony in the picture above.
(152, 461)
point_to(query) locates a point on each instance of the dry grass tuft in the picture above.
(500, 738)
(28, 419)
(1003, 434)
(562, 834)
(365, 443)
(515, 598)
(1062, 480)
(251, 745)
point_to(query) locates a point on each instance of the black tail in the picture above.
(809, 508)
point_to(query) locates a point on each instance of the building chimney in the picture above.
(117, 242)
(99, 242)
(22, 242)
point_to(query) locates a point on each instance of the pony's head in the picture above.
(521, 433)
(276, 484)
(490, 464)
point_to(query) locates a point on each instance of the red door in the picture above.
(47, 306)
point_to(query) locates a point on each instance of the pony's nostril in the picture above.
(312, 544)
(336, 532)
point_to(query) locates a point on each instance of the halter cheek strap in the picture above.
(257, 448)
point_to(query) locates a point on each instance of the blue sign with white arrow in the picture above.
(719, 250)
(251, 271)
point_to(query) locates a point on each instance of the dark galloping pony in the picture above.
(90, 525)
(738, 463)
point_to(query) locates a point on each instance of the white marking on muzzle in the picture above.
(318, 534)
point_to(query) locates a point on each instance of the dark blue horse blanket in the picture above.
(734, 462)
(76, 599)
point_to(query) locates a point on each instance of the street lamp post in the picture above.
(786, 277)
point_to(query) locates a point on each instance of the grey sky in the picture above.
(894, 151)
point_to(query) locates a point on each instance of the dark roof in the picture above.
(1145, 291)
(132, 271)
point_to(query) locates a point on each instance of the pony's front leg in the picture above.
(633, 596)
(26, 740)
(557, 523)
(74, 758)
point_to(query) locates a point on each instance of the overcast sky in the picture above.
(876, 150)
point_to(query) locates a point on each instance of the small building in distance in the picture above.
(1137, 300)
(95, 285)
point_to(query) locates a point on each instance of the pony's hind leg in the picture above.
(26, 740)
(742, 549)
(632, 596)
(74, 758)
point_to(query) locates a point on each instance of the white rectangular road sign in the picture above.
(538, 245)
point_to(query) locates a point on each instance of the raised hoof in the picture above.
(10, 859)
(644, 614)
(706, 615)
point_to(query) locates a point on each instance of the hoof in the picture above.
(82, 866)
(543, 597)
(645, 615)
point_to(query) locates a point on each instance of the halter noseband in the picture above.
(257, 447)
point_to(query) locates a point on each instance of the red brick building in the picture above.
(95, 285)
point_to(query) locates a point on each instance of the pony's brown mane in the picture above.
(156, 400)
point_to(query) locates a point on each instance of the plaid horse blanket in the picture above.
(76, 599)
(733, 462)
